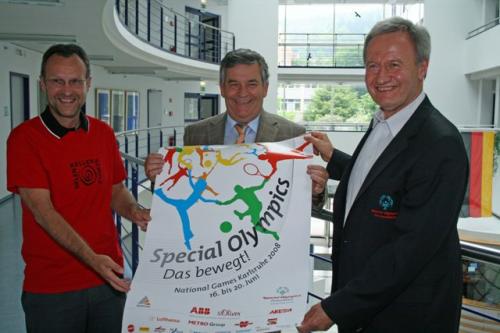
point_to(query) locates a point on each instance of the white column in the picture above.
(447, 86)
(255, 26)
(496, 119)
(480, 103)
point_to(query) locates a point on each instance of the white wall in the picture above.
(20, 60)
(480, 53)
(448, 22)
(175, 98)
(255, 25)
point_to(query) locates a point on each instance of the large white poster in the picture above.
(227, 247)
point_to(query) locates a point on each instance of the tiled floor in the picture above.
(11, 277)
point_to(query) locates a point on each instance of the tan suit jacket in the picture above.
(272, 128)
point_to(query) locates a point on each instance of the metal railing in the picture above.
(491, 24)
(320, 50)
(173, 32)
(480, 263)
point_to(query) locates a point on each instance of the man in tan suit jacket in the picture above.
(244, 81)
(210, 131)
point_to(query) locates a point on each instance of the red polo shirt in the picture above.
(78, 167)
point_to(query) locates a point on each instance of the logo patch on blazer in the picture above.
(385, 210)
(385, 202)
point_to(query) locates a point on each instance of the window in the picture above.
(332, 102)
(198, 107)
(332, 35)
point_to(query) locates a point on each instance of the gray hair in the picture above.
(418, 35)
(245, 57)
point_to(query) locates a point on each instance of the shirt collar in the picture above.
(253, 125)
(56, 129)
(399, 119)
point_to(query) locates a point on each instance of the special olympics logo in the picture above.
(385, 201)
(282, 290)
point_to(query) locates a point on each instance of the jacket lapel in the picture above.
(215, 134)
(341, 192)
(268, 129)
(397, 145)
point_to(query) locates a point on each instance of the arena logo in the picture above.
(200, 310)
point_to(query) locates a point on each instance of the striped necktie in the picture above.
(240, 128)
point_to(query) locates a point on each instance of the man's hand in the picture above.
(315, 320)
(321, 143)
(140, 216)
(153, 165)
(125, 205)
(108, 269)
(319, 177)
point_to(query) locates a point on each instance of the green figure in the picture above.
(247, 195)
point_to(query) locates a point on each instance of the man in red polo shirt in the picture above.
(67, 169)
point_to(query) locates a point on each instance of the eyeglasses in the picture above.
(59, 83)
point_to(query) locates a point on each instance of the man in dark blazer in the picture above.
(243, 81)
(396, 254)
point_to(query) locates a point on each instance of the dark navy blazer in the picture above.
(396, 261)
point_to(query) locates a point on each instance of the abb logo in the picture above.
(200, 311)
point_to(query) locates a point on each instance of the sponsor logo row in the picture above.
(131, 328)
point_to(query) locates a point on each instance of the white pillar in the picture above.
(496, 117)
(255, 26)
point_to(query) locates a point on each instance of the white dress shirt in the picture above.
(383, 131)
(231, 135)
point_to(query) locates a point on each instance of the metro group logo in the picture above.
(198, 323)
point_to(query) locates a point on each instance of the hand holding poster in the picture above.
(227, 247)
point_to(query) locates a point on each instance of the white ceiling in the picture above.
(36, 25)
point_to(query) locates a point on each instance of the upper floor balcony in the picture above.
(339, 50)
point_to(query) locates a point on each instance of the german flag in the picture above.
(479, 146)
